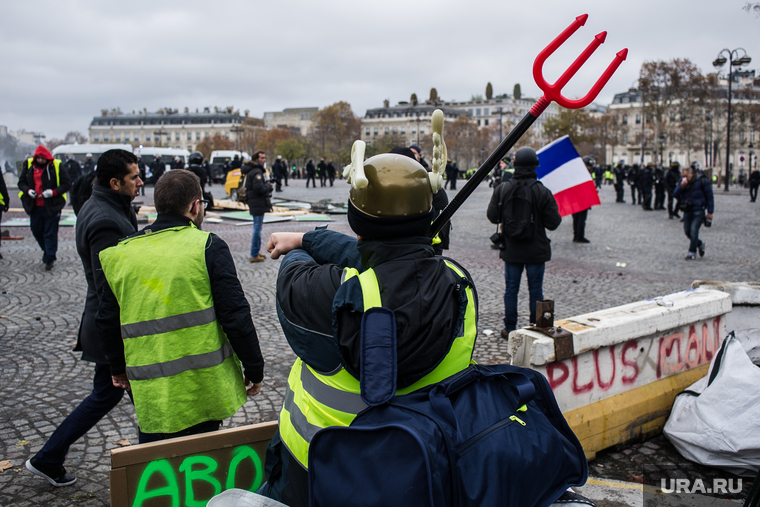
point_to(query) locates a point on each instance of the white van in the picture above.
(219, 163)
(148, 155)
(80, 151)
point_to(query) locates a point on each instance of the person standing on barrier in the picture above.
(177, 333)
(526, 245)
(327, 280)
(105, 218)
(43, 184)
(698, 206)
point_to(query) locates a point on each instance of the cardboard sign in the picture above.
(188, 471)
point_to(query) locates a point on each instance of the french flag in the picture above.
(562, 171)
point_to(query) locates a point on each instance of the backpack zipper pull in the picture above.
(515, 418)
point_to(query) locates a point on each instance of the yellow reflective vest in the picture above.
(315, 400)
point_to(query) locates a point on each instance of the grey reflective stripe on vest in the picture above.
(176, 366)
(297, 419)
(336, 399)
(168, 324)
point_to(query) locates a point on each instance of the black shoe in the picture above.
(505, 334)
(572, 499)
(57, 478)
(690, 256)
(701, 249)
(49, 265)
(583, 240)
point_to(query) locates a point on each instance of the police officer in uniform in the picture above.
(646, 180)
(633, 176)
(619, 182)
(671, 180)
(328, 280)
(659, 188)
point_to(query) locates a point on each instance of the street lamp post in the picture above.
(733, 59)
(749, 171)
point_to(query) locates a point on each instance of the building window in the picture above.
(96, 138)
(422, 130)
(638, 119)
(403, 129)
(375, 131)
(147, 136)
(625, 119)
(227, 135)
(105, 138)
(366, 131)
(197, 136)
(470, 110)
(478, 111)
(414, 129)
(126, 136)
(386, 130)
(205, 134)
(485, 112)
(625, 138)
(189, 136)
(176, 136)
(478, 123)
(395, 130)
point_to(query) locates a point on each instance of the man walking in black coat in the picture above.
(311, 171)
(104, 219)
(754, 183)
(529, 254)
(73, 167)
(672, 177)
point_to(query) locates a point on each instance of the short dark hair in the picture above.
(255, 156)
(113, 164)
(175, 191)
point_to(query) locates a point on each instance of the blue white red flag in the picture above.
(562, 171)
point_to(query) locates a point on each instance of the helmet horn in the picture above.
(440, 155)
(354, 172)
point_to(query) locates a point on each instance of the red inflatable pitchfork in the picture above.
(552, 92)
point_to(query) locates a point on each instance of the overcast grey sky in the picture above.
(64, 61)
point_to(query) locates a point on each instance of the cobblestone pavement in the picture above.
(43, 380)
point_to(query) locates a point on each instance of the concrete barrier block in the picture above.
(618, 325)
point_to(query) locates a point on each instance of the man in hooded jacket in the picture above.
(42, 185)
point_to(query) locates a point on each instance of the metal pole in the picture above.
(728, 122)
(506, 144)
(643, 121)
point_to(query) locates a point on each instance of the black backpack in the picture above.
(518, 211)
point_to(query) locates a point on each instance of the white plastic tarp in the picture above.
(717, 423)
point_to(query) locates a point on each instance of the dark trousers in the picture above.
(620, 192)
(633, 194)
(104, 397)
(512, 276)
(203, 427)
(647, 201)
(278, 185)
(692, 221)
(579, 224)
(659, 198)
(45, 231)
(753, 193)
(332, 179)
(671, 211)
(310, 177)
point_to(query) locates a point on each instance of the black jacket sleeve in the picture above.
(550, 214)
(4, 190)
(109, 327)
(232, 309)
(23, 184)
(494, 207)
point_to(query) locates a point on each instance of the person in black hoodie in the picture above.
(320, 305)
(43, 184)
(531, 255)
(258, 194)
(103, 220)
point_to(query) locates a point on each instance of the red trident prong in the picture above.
(553, 92)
